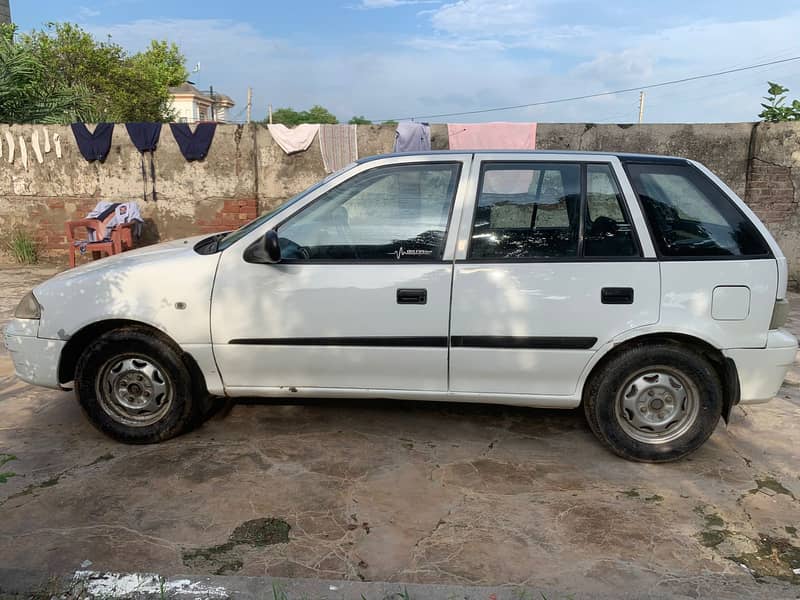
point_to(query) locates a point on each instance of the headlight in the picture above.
(28, 308)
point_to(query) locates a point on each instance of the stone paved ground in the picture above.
(401, 492)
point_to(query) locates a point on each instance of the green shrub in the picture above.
(23, 247)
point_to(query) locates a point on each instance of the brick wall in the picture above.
(770, 192)
(232, 215)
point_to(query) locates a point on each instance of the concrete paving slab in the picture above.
(401, 493)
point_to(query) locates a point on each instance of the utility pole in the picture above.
(641, 106)
(249, 103)
(270, 114)
(213, 115)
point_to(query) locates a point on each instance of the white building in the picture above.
(191, 105)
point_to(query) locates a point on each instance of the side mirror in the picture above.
(265, 250)
(272, 246)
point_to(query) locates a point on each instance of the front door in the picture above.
(361, 297)
(550, 270)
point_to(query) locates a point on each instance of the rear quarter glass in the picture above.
(690, 217)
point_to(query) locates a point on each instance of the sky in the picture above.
(397, 59)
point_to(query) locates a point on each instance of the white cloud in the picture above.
(87, 13)
(486, 17)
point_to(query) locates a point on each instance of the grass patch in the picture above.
(226, 558)
(6, 475)
(23, 247)
(775, 557)
(772, 484)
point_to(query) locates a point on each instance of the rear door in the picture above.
(549, 269)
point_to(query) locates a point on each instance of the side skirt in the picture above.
(565, 402)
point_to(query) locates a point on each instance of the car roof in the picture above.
(623, 156)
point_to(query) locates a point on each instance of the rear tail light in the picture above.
(779, 314)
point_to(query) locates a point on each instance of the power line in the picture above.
(596, 95)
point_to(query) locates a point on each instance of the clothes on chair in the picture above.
(297, 139)
(114, 214)
(412, 137)
(193, 146)
(145, 137)
(93, 145)
(339, 146)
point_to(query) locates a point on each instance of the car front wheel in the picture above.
(654, 402)
(135, 387)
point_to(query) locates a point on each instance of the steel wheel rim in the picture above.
(134, 390)
(657, 405)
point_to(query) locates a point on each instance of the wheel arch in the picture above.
(81, 339)
(724, 366)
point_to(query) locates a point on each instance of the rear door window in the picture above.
(689, 216)
(527, 210)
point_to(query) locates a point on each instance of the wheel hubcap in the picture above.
(134, 390)
(657, 405)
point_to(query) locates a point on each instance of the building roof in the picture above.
(187, 89)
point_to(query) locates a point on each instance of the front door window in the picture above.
(393, 213)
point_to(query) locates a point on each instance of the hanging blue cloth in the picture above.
(93, 145)
(145, 137)
(194, 146)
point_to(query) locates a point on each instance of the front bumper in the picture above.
(762, 370)
(35, 359)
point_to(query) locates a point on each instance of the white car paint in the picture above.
(203, 302)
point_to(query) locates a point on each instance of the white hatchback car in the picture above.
(638, 286)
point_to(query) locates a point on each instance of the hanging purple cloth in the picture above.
(412, 137)
(93, 145)
(145, 137)
(194, 146)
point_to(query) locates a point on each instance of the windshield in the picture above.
(235, 236)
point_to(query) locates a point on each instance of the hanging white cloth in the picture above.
(35, 145)
(46, 140)
(11, 146)
(57, 144)
(297, 139)
(23, 152)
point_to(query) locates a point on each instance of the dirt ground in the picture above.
(400, 492)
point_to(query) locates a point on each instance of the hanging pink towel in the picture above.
(492, 136)
(497, 136)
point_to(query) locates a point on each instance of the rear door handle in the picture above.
(616, 295)
(412, 296)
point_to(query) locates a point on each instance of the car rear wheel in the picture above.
(654, 402)
(135, 387)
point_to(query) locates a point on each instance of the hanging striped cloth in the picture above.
(339, 146)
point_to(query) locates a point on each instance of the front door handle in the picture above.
(412, 296)
(616, 295)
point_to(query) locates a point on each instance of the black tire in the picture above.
(134, 347)
(620, 384)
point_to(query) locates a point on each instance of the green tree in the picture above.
(775, 109)
(315, 114)
(123, 87)
(29, 93)
(360, 120)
